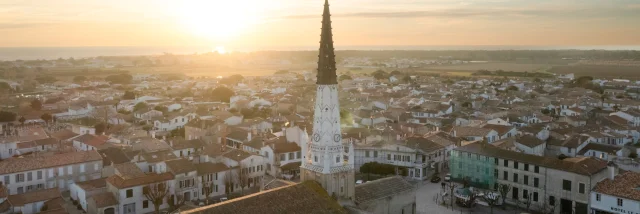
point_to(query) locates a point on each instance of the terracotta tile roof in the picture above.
(104, 199)
(625, 185)
(55, 211)
(423, 144)
(128, 170)
(113, 156)
(381, 189)
(22, 164)
(34, 196)
(463, 131)
(31, 134)
(609, 149)
(236, 154)
(292, 165)
(25, 145)
(92, 184)
(208, 168)
(529, 141)
(47, 141)
(307, 197)
(154, 157)
(64, 134)
(179, 166)
(150, 178)
(502, 130)
(582, 166)
(285, 147)
(92, 140)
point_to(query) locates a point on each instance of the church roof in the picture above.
(326, 57)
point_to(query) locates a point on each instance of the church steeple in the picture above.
(326, 57)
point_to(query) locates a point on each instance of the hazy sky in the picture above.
(296, 22)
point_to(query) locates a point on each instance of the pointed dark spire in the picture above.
(326, 57)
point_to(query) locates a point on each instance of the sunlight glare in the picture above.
(220, 50)
(218, 20)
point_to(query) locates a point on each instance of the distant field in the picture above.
(492, 66)
(604, 71)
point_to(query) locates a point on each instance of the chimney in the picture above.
(171, 143)
(613, 170)
(249, 136)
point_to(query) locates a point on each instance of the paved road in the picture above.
(425, 203)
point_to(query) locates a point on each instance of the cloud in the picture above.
(481, 12)
(4, 26)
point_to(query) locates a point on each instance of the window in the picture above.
(535, 196)
(526, 167)
(535, 182)
(19, 178)
(7, 179)
(21, 190)
(495, 173)
(506, 163)
(515, 193)
(388, 156)
(315, 158)
(95, 166)
(566, 185)
(496, 160)
(82, 168)
(619, 202)
(515, 177)
(505, 175)
(298, 155)
(366, 154)
(525, 193)
(581, 188)
(536, 169)
(552, 201)
(526, 180)
(129, 193)
(597, 197)
(291, 156)
(29, 188)
(337, 159)
(29, 176)
(145, 204)
(515, 164)
(283, 157)
(375, 154)
(40, 186)
(70, 170)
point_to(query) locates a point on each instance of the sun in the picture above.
(220, 50)
(218, 19)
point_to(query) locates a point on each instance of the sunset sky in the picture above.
(273, 23)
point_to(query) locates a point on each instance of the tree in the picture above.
(492, 199)
(406, 79)
(345, 77)
(155, 193)
(345, 117)
(232, 80)
(380, 74)
(504, 189)
(207, 188)
(633, 155)
(512, 88)
(79, 79)
(22, 120)
(6, 116)
(163, 109)
(100, 128)
(175, 201)
(222, 94)
(242, 177)
(36, 104)
(229, 181)
(128, 95)
(395, 72)
(537, 80)
(549, 205)
(46, 117)
(140, 106)
(527, 201)
(119, 79)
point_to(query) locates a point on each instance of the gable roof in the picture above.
(624, 185)
(120, 182)
(609, 149)
(529, 141)
(583, 166)
(208, 168)
(21, 164)
(179, 166)
(307, 197)
(499, 128)
(381, 188)
(92, 140)
(34, 196)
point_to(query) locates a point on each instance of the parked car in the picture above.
(447, 177)
(359, 182)
(223, 199)
(435, 179)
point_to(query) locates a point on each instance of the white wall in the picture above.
(610, 204)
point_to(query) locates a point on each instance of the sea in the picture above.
(48, 53)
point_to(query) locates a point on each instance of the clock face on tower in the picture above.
(337, 138)
(316, 137)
